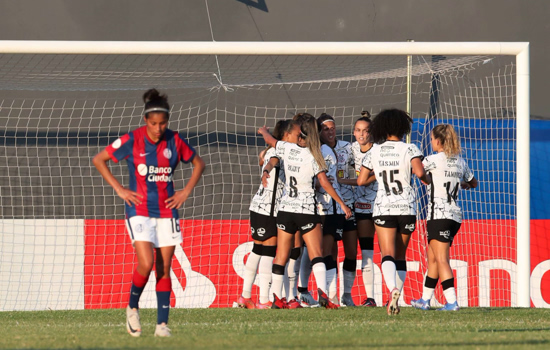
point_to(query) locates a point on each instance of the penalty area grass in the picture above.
(229, 328)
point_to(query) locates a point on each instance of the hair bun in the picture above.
(151, 95)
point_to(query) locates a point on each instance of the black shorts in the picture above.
(405, 224)
(363, 216)
(292, 222)
(442, 230)
(262, 226)
(333, 225)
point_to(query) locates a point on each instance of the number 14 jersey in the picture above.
(391, 163)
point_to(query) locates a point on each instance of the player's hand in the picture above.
(464, 185)
(429, 177)
(347, 211)
(265, 176)
(263, 130)
(130, 197)
(176, 201)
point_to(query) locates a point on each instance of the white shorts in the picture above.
(162, 232)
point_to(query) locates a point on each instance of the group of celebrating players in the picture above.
(301, 210)
(307, 202)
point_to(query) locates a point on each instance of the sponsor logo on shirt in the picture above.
(359, 205)
(155, 173)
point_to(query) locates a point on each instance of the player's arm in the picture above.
(366, 177)
(470, 184)
(273, 162)
(327, 186)
(180, 197)
(261, 157)
(418, 170)
(100, 162)
(270, 140)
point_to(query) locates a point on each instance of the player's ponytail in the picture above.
(310, 134)
(448, 137)
(155, 102)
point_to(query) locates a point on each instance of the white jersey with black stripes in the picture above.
(266, 200)
(325, 204)
(446, 172)
(300, 170)
(391, 163)
(364, 195)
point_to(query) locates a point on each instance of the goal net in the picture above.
(63, 243)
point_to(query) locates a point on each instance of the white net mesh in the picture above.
(62, 237)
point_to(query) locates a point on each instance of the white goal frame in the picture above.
(518, 49)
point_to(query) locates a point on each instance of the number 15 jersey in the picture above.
(300, 170)
(391, 163)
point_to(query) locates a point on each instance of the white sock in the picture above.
(388, 270)
(367, 271)
(290, 280)
(264, 271)
(320, 273)
(277, 285)
(450, 295)
(305, 270)
(294, 286)
(250, 273)
(331, 282)
(349, 279)
(427, 293)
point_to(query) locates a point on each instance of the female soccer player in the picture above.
(338, 157)
(297, 207)
(394, 211)
(448, 171)
(152, 153)
(364, 200)
(263, 215)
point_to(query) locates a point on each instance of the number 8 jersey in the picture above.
(391, 163)
(300, 170)
(446, 175)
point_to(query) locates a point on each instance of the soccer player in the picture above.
(364, 200)
(394, 211)
(338, 157)
(297, 206)
(263, 215)
(152, 153)
(448, 171)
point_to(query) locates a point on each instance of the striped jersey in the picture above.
(364, 195)
(325, 204)
(300, 170)
(391, 163)
(151, 166)
(447, 172)
(266, 200)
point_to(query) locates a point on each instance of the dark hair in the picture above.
(366, 114)
(283, 126)
(300, 118)
(362, 119)
(155, 102)
(323, 118)
(390, 122)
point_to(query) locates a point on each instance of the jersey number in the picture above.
(293, 190)
(451, 195)
(396, 188)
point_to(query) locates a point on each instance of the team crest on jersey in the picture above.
(167, 153)
(261, 231)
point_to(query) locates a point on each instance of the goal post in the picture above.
(522, 113)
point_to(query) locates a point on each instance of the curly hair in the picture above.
(390, 122)
(446, 134)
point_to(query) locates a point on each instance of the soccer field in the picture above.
(346, 328)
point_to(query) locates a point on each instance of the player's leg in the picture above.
(387, 228)
(349, 240)
(406, 226)
(305, 296)
(264, 271)
(163, 266)
(285, 241)
(365, 231)
(291, 272)
(251, 266)
(430, 282)
(441, 254)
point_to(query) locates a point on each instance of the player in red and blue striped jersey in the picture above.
(152, 153)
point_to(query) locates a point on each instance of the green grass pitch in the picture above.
(346, 328)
